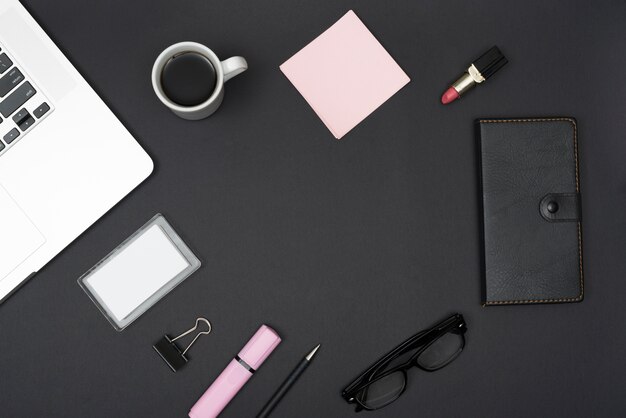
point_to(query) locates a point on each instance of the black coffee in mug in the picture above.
(188, 79)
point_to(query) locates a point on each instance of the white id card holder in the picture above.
(139, 272)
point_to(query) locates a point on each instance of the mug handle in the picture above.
(234, 66)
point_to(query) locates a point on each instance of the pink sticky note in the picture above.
(344, 74)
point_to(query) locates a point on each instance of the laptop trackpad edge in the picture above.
(19, 238)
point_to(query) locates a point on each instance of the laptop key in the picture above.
(41, 110)
(5, 63)
(1, 146)
(11, 136)
(22, 114)
(9, 81)
(16, 99)
(26, 123)
(23, 119)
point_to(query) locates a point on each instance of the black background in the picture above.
(356, 243)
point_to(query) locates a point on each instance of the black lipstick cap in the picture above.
(490, 62)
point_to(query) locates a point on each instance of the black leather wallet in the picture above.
(532, 231)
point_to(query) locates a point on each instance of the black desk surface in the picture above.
(355, 243)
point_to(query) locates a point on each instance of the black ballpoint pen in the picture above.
(287, 384)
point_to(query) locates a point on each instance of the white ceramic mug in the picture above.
(225, 70)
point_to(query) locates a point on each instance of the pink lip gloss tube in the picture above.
(236, 374)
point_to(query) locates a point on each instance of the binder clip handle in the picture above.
(171, 353)
(190, 330)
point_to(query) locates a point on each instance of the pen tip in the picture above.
(312, 353)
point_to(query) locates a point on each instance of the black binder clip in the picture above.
(171, 352)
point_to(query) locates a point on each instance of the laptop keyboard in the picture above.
(22, 104)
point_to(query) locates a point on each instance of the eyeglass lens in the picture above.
(441, 352)
(387, 389)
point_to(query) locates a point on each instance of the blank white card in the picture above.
(137, 272)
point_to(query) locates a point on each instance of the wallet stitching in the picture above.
(580, 257)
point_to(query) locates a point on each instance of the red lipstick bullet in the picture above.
(450, 95)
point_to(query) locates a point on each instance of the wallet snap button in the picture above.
(552, 207)
(560, 207)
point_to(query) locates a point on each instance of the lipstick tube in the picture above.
(480, 70)
(469, 79)
(236, 374)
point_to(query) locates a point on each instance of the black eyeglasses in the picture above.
(430, 350)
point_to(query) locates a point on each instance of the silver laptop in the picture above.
(65, 159)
